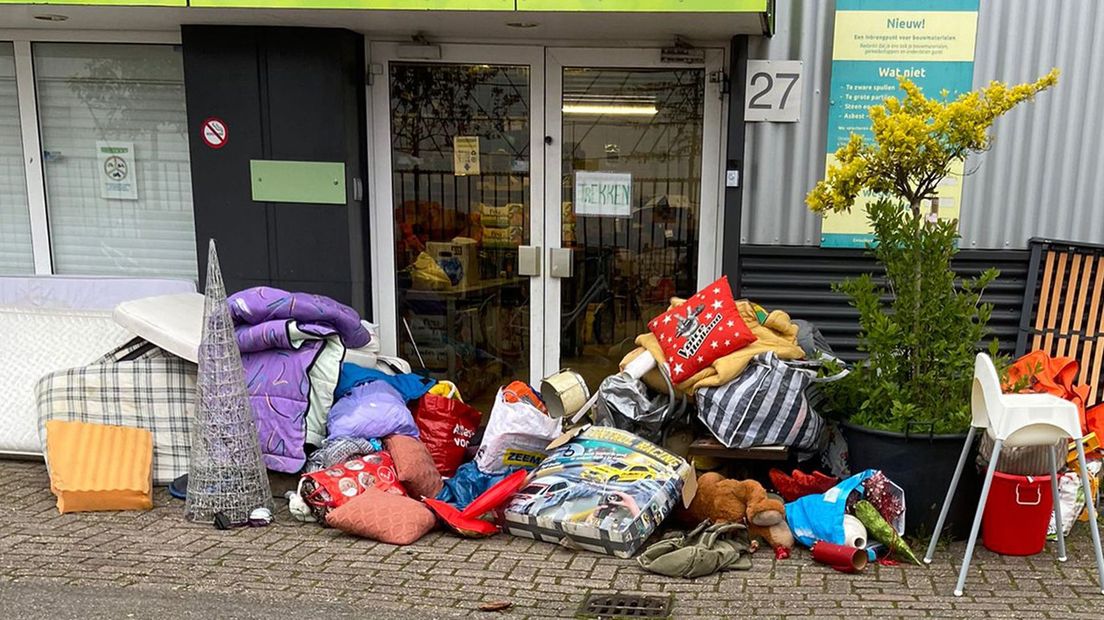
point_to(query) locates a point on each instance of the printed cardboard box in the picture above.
(606, 490)
(458, 259)
(502, 217)
(510, 237)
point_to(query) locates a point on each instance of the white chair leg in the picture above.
(1057, 505)
(977, 517)
(950, 495)
(1092, 513)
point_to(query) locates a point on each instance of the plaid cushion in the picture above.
(137, 384)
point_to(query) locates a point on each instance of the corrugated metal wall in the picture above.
(799, 281)
(1045, 173)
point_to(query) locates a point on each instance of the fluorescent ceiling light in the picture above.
(597, 109)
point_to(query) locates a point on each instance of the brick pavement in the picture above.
(291, 566)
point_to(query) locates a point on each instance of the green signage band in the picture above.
(176, 3)
(566, 6)
(376, 5)
(645, 6)
(309, 182)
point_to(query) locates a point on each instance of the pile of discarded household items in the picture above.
(381, 452)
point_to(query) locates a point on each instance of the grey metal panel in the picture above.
(784, 160)
(799, 281)
(1044, 175)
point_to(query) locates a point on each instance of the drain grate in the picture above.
(609, 606)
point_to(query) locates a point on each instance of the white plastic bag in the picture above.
(517, 435)
(1071, 498)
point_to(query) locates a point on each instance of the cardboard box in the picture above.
(458, 258)
(432, 329)
(604, 489)
(510, 237)
(428, 329)
(502, 217)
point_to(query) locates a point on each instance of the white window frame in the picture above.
(35, 177)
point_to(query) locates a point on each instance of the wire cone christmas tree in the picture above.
(225, 473)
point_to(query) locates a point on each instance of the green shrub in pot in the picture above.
(919, 329)
(907, 406)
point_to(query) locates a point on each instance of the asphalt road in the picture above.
(33, 601)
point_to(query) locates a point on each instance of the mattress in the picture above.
(83, 292)
(43, 341)
(99, 467)
(172, 322)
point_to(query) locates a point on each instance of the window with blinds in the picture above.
(15, 219)
(114, 137)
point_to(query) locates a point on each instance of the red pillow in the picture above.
(704, 328)
(414, 465)
(388, 518)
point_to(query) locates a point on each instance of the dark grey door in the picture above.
(288, 94)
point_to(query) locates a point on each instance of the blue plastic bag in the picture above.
(820, 517)
(468, 484)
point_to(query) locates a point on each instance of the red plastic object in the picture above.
(468, 527)
(800, 484)
(1017, 514)
(496, 495)
(844, 559)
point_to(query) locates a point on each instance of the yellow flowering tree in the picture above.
(919, 326)
(916, 141)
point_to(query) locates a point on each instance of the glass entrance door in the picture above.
(633, 169)
(523, 224)
(459, 153)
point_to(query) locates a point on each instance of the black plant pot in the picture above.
(922, 465)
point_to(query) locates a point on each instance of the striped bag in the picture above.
(765, 406)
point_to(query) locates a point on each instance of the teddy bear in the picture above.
(721, 499)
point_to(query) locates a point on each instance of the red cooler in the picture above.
(1017, 514)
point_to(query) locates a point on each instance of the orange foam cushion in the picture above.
(99, 467)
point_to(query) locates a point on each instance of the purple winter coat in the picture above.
(292, 345)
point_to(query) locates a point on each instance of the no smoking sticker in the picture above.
(214, 133)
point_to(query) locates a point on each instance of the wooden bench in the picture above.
(1063, 308)
(710, 447)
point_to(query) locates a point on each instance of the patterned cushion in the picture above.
(707, 327)
(388, 518)
(417, 472)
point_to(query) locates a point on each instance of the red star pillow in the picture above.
(706, 327)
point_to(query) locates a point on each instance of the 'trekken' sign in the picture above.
(605, 194)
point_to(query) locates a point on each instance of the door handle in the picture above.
(529, 260)
(560, 263)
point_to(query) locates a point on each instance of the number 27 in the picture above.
(754, 103)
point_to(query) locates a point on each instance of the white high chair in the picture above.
(1017, 420)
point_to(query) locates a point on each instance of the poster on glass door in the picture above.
(603, 194)
(465, 156)
(117, 173)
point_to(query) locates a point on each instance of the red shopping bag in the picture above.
(446, 425)
(327, 489)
